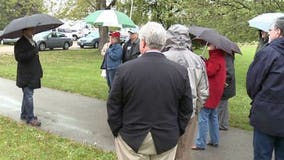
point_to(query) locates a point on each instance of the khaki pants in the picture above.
(147, 150)
(187, 140)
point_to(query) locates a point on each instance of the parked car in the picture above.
(52, 40)
(91, 39)
(8, 40)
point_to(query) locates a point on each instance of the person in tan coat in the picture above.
(178, 47)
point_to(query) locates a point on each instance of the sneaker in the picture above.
(34, 122)
(213, 145)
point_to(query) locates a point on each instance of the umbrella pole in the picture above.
(204, 48)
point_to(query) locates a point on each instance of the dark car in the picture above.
(52, 40)
(92, 39)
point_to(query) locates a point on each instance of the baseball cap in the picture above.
(115, 35)
(133, 30)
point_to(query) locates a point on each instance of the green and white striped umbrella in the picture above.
(110, 18)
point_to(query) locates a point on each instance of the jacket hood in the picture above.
(178, 37)
(278, 44)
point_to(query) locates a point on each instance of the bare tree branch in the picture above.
(91, 3)
(112, 3)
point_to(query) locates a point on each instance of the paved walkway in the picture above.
(83, 119)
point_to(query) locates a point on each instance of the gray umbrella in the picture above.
(41, 22)
(213, 37)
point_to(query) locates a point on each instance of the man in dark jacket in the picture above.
(29, 73)
(150, 102)
(229, 92)
(265, 86)
(131, 47)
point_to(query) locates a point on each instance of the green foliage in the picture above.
(229, 17)
(11, 9)
(77, 9)
(18, 141)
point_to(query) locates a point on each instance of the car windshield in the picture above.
(40, 35)
(93, 34)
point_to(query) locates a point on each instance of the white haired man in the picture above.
(150, 102)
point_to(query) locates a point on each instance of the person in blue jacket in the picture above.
(112, 58)
(265, 86)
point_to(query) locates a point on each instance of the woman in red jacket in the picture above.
(216, 72)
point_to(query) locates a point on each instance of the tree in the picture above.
(84, 7)
(229, 17)
(11, 9)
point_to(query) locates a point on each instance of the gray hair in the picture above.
(279, 23)
(154, 34)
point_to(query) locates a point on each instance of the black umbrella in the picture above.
(41, 22)
(213, 37)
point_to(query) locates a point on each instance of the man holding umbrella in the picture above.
(29, 73)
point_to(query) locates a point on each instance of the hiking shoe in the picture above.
(34, 122)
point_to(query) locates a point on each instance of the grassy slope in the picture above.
(19, 142)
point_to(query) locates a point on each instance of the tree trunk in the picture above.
(101, 4)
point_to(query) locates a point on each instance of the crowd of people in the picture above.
(149, 92)
(161, 93)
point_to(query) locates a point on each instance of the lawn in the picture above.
(75, 71)
(79, 71)
(20, 142)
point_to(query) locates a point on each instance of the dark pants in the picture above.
(264, 145)
(110, 76)
(27, 111)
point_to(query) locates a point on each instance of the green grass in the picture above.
(75, 71)
(21, 142)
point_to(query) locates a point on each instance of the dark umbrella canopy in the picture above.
(213, 37)
(41, 22)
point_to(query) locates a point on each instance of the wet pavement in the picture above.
(84, 120)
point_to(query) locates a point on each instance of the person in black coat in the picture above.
(265, 87)
(150, 102)
(131, 47)
(29, 73)
(229, 92)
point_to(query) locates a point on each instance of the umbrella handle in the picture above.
(204, 48)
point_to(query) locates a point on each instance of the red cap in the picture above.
(115, 35)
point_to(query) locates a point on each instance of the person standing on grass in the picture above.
(229, 92)
(112, 58)
(265, 86)
(29, 74)
(103, 52)
(150, 102)
(131, 47)
(178, 47)
(208, 115)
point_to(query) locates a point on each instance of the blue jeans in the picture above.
(110, 76)
(264, 145)
(27, 111)
(207, 117)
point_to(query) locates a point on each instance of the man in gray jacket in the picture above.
(178, 47)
